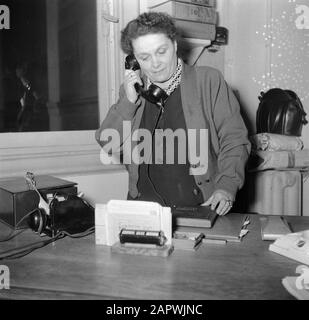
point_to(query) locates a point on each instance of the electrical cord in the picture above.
(12, 235)
(24, 250)
(79, 235)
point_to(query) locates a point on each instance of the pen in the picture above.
(243, 229)
(214, 241)
(246, 222)
(199, 238)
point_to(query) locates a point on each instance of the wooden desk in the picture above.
(78, 269)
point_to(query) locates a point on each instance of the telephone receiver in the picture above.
(32, 186)
(154, 94)
(37, 220)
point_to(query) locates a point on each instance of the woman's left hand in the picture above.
(221, 201)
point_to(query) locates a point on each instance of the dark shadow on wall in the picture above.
(246, 194)
(250, 126)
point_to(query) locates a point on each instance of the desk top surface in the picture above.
(80, 269)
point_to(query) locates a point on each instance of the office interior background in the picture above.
(79, 49)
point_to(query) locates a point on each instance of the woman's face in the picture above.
(157, 56)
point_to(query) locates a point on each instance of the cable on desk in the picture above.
(22, 251)
(79, 235)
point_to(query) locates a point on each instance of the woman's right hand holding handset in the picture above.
(130, 78)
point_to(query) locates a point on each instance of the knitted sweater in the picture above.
(208, 103)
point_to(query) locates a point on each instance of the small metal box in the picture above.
(16, 200)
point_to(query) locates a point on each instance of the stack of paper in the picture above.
(293, 245)
(298, 286)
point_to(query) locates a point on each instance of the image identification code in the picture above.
(156, 309)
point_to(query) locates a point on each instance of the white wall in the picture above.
(266, 50)
(217, 59)
(100, 187)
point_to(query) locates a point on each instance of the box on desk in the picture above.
(16, 200)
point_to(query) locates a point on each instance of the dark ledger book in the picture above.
(200, 216)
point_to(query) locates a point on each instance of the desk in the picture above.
(78, 269)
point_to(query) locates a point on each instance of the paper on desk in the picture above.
(298, 286)
(293, 245)
(134, 207)
(136, 215)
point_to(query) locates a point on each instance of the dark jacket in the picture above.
(209, 103)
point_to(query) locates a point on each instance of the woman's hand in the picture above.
(130, 78)
(220, 200)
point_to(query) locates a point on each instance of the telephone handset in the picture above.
(154, 94)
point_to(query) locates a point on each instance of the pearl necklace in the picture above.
(174, 80)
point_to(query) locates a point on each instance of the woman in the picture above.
(196, 98)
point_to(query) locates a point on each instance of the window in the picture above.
(69, 151)
(49, 66)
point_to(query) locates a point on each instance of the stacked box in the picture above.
(275, 192)
(17, 200)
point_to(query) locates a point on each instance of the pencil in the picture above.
(214, 241)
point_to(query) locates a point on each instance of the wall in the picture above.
(100, 187)
(216, 59)
(266, 49)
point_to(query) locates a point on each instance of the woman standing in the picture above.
(194, 98)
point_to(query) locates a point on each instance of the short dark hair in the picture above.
(147, 23)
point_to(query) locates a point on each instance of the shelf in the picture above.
(192, 48)
(195, 43)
